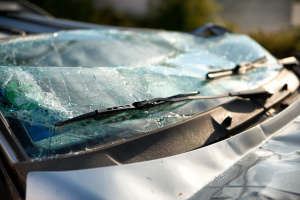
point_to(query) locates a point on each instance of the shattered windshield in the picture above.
(49, 78)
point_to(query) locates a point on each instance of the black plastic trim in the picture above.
(5, 130)
(8, 189)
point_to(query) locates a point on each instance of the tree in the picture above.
(182, 14)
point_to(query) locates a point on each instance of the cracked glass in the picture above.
(53, 77)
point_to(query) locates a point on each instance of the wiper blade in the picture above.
(244, 67)
(238, 69)
(118, 109)
(259, 93)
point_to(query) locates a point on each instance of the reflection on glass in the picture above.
(50, 78)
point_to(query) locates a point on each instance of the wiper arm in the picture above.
(259, 93)
(118, 109)
(246, 66)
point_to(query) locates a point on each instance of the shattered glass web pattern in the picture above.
(79, 71)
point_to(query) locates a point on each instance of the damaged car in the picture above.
(98, 112)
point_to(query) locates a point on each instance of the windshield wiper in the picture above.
(242, 68)
(259, 93)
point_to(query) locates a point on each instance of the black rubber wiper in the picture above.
(259, 93)
(244, 67)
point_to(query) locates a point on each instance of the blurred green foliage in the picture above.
(68, 9)
(85, 11)
(280, 44)
(181, 15)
